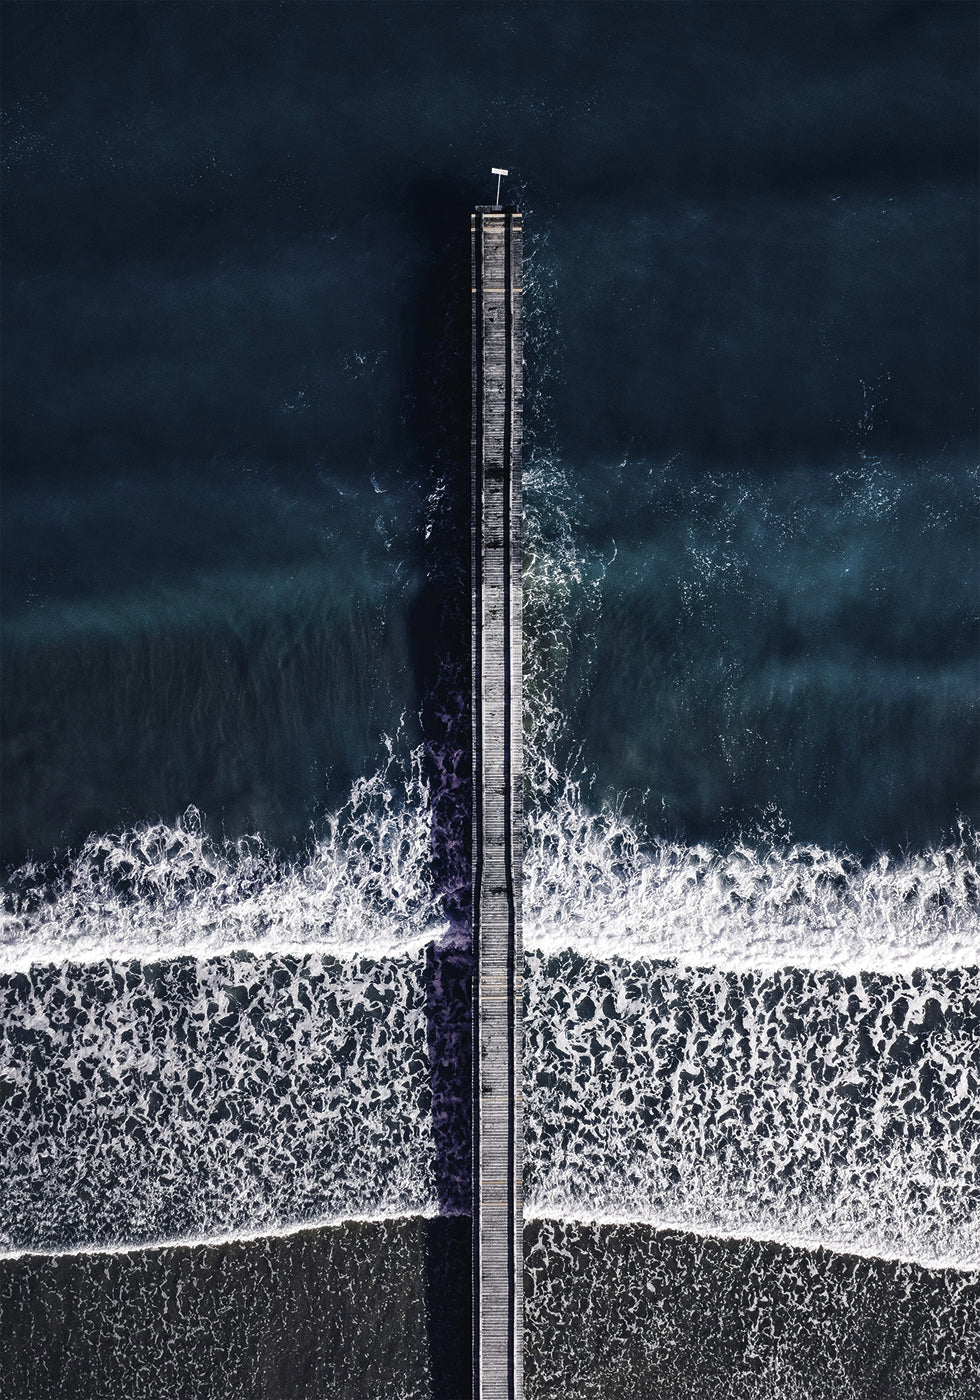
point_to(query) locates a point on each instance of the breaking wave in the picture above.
(591, 882)
(161, 890)
(766, 1039)
(594, 884)
(773, 1041)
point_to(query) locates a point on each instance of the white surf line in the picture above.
(783, 1238)
(959, 957)
(21, 958)
(735, 948)
(218, 1241)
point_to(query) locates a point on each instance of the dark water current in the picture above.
(235, 961)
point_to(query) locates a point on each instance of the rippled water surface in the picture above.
(235, 955)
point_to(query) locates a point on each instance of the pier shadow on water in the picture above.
(438, 423)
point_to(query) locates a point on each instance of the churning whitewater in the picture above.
(766, 1039)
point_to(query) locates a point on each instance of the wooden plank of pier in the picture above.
(498, 805)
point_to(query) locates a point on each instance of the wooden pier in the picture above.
(498, 817)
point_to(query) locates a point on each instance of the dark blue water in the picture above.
(232, 244)
(235, 563)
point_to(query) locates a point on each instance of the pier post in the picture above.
(498, 816)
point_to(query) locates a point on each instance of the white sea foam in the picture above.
(160, 890)
(690, 1222)
(183, 1098)
(592, 883)
(220, 1239)
(188, 1098)
(770, 1040)
(592, 880)
(802, 1106)
(531, 1213)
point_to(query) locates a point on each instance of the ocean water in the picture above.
(766, 1044)
(235, 959)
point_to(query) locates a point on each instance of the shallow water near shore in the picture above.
(368, 1309)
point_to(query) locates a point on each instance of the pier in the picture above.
(498, 815)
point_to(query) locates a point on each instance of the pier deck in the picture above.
(498, 804)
